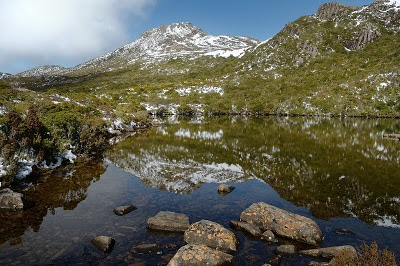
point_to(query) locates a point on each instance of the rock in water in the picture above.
(283, 223)
(122, 210)
(269, 236)
(103, 243)
(330, 252)
(145, 249)
(249, 228)
(11, 200)
(212, 235)
(169, 221)
(200, 255)
(286, 250)
(225, 189)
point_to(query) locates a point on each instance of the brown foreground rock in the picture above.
(169, 221)
(283, 223)
(122, 210)
(200, 255)
(212, 235)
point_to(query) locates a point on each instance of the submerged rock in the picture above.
(11, 200)
(169, 221)
(249, 228)
(225, 189)
(200, 255)
(286, 250)
(330, 252)
(343, 231)
(122, 210)
(145, 249)
(212, 235)
(103, 243)
(283, 223)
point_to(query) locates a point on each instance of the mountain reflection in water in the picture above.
(334, 167)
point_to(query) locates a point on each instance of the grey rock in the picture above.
(122, 210)
(212, 235)
(200, 255)
(331, 11)
(249, 228)
(169, 221)
(11, 200)
(366, 35)
(145, 249)
(343, 231)
(225, 189)
(283, 223)
(103, 243)
(286, 250)
(329, 252)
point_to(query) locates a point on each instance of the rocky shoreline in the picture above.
(210, 243)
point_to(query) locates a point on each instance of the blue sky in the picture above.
(69, 32)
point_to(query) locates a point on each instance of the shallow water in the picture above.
(340, 172)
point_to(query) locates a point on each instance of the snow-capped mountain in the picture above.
(178, 40)
(42, 71)
(4, 75)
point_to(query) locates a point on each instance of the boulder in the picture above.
(330, 252)
(11, 200)
(169, 221)
(269, 236)
(286, 250)
(122, 210)
(212, 235)
(225, 189)
(248, 228)
(145, 249)
(283, 223)
(200, 255)
(343, 231)
(103, 243)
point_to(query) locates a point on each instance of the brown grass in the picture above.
(369, 255)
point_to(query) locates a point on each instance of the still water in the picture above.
(340, 172)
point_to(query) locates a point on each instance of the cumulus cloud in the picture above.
(37, 32)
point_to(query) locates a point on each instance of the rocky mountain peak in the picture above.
(4, 75)
(330, 11)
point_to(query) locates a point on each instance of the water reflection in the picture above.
(334, 167)
(65, 189)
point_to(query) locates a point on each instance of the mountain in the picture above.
(4, 75)
(42, 71)
(178, 40)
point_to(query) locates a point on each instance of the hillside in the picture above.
(342, 60)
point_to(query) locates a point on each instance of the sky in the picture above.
(70, 32)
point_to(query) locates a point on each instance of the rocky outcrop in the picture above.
(330, 252)
(225, 189)
(283, 223)
(169, 221)
(365, 36)
(122, 210)
(11, 200)
(103, 243)
(248, 228)
(200, 255)
(331, 11)
(212, 235)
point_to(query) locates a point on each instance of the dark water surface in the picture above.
(340, 172)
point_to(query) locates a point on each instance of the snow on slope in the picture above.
(4, 75)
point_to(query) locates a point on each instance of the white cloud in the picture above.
(34, 32)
